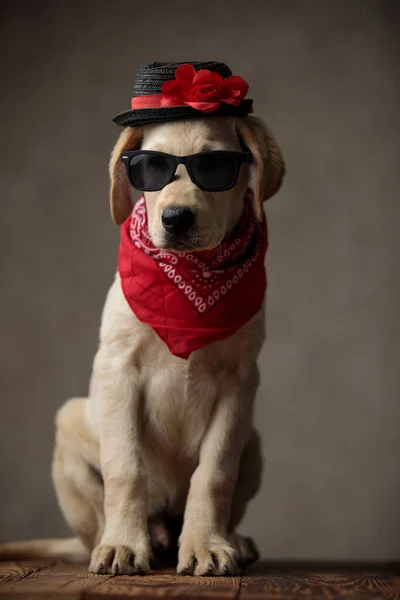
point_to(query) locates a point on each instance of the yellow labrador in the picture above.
(159, 436)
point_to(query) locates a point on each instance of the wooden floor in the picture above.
(37, 579)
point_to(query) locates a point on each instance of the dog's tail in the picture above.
(69, 549)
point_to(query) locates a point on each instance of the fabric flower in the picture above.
(203, 90)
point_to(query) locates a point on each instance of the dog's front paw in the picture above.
(246, 549)
(120, 560)
(214, 557)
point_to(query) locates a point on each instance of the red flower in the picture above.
(202, 90)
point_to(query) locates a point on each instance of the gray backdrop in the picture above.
(325, 76)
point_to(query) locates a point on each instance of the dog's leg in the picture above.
(80, 491)
(124, 547)
(246, 487)
(204, 543)
(76, 479)
(249, 479)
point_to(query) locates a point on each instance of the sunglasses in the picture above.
(214, 171)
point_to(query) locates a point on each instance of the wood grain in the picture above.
(170, 585)
(44, 580)
(73, 582)
(47, 580)
(14, 571)
(268, 580)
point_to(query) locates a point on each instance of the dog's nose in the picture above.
(177, 219)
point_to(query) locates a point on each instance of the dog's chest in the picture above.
(178, 402)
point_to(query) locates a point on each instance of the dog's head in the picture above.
(213, 215)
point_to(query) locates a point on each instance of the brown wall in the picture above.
(325, 76)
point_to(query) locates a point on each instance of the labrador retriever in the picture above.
(161, 438)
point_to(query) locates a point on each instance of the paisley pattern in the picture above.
(207, 276)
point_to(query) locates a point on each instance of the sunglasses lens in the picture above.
(214, 171)
(150, 171)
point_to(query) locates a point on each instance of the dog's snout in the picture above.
(177, 219)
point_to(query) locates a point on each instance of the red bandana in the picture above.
(191, 300)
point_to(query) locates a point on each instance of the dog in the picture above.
(160, 439)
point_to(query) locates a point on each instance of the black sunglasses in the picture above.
(214, 171)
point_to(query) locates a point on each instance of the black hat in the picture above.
(209, 87)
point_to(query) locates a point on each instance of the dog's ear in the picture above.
(120, 196)
(267, 160)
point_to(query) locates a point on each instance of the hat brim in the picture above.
(145, 116)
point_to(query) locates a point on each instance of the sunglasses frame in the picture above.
(239, 159)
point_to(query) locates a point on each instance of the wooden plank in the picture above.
(13, 571)
(30, 580)
(166, 584)
(58, 579)
(268, 580)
